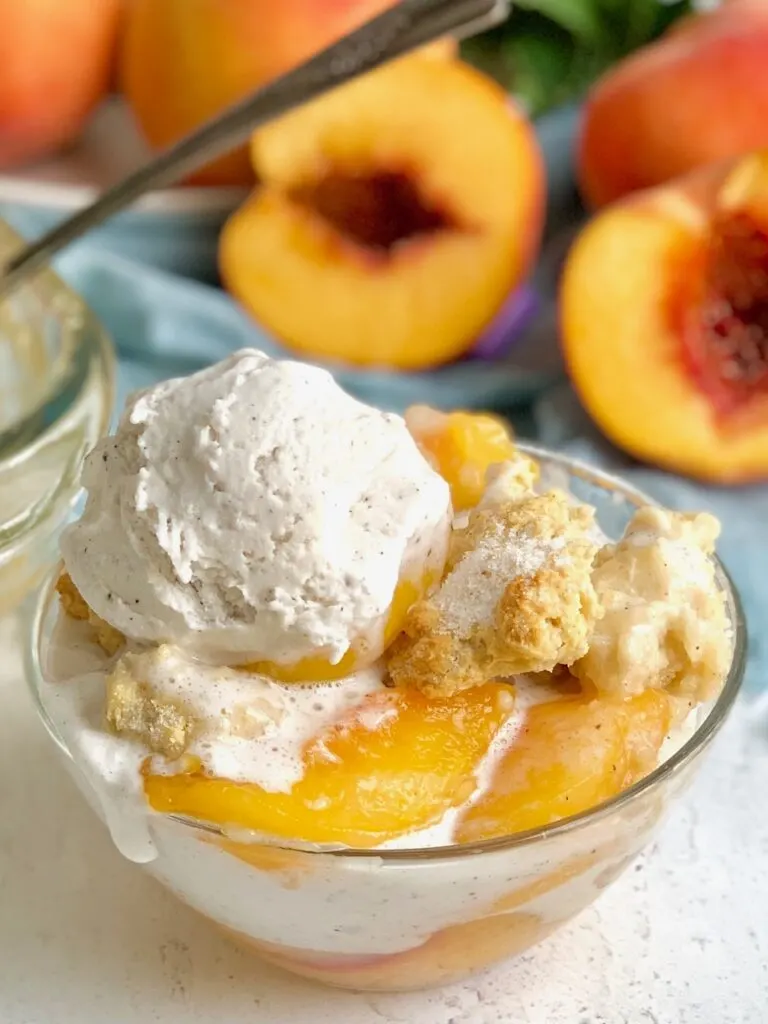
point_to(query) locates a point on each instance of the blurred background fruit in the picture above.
(56, 59)
(378, 209)
(664, 318)
(698, 95)
(419, 191)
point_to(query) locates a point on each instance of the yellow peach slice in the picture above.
(464, 949)
(462, 446)
(361, 785)
(570, 756)
(381, 233)
(546, 883)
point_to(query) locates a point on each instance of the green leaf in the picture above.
(580, 18)
(540, 68)
(543, 65)
(550, 51)
(641, 18)
(632, 23)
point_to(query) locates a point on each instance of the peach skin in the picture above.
(56, 61)
(664, 323)
(697, 96)
(183, 61)
(716, 18)
(377, 210)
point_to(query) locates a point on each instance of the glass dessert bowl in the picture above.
(499, 751)
(56, 392)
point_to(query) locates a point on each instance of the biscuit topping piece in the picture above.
(108, 638)
(165, 726)
(665, 622)
(518, 598)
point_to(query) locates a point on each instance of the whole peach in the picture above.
(55, 65)
(697, 96)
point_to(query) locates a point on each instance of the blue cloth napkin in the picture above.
(165, 326)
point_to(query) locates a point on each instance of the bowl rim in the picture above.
(672, 766)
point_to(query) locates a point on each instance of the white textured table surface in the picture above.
(85, 937)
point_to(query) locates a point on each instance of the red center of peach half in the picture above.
(664, 308)
(725, 344)
(374, 211)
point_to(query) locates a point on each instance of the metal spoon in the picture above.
(409, 24)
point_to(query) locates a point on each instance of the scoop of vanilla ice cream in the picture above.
(254, 511)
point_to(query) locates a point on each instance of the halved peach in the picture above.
(395, 216)
(570, 756)
(362, 783)
(664, 317)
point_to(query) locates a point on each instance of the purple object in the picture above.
(507, 326)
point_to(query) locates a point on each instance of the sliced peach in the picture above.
(361, 785)
(381, 235)
(464, 949)
(570, 756)
(450, 954)
(462, 446)
(664, 316)
(697, 96)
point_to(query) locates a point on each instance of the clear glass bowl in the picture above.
(56, 393)
(401, 920)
